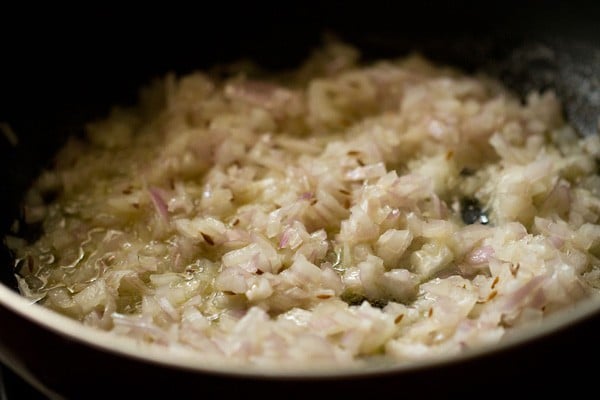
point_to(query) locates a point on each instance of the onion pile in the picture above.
(328, 215)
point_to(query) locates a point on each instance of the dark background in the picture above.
(100, 53)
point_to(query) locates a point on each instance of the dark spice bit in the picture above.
(323, 296)
(495, 282)
(24, 266)
(207, 239)
(467, 172)
(471, 212)
(34, 282)
(379, 303)
(352, 298)
(356, 299)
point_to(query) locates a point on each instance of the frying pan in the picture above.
(68, 67)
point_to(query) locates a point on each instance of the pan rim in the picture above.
(121, 346)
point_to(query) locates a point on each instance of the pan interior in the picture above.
(69, 96)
